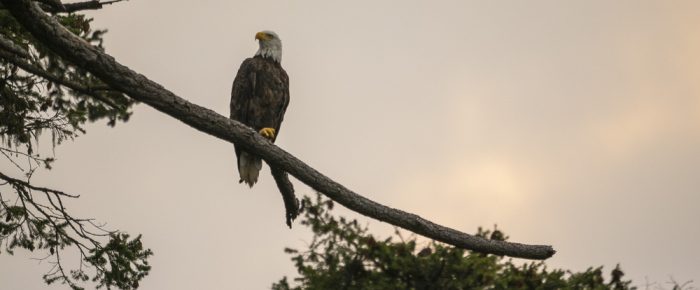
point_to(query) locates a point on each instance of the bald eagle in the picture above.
(259, 99)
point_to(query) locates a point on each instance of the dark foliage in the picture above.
(343, 255)
(42, 93)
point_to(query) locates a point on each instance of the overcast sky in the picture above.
(570, 123)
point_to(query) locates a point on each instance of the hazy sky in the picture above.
(570, 123)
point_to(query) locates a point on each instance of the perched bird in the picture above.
(259, 99)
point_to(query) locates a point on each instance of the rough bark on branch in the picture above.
(142, 89)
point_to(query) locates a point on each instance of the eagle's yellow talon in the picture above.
(268, 133)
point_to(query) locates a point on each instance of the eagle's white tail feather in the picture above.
(249, 168)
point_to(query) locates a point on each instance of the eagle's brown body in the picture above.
(259, 99)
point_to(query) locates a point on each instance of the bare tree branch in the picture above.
(137, 86)
(42, 189)
(8, 45)
(55, 6)
(291, 204)
(87, 5)
(33, 69)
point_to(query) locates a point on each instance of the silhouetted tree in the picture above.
(42, 94)
(343, 255)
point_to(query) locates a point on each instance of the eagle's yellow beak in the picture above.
(262, 36)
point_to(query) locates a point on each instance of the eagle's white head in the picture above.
(270, 45)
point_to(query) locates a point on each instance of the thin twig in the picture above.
(26, 184)
(12, 160)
